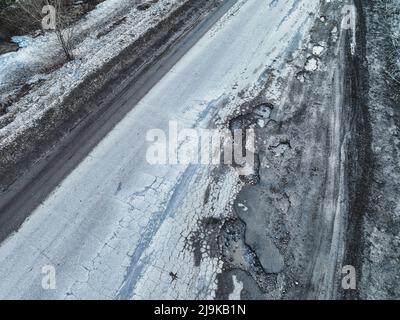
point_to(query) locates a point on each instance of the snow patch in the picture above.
(311, 64)
(317, 50)
(237, 289)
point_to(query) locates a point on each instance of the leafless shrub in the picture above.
(33, 14)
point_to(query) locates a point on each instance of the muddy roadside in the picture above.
(379, 248)
(295, 230)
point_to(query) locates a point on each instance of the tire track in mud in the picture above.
(360, 162)
(314, 175)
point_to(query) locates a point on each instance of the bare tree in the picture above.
(63, 28)
(50, 15)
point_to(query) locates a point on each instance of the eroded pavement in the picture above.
(119, 227)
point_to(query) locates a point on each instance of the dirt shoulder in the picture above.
(329, 177)
(314, 156)
(380, 245)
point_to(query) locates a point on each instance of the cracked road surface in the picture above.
(118, 227)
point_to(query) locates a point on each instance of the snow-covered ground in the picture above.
(31, 64)
(118, 227)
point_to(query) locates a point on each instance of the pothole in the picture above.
(204, 241)
(254, 120)
(237, 255)
(301, 76)
(143, 6)
(264, 110)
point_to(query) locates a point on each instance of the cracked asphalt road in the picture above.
(118, 227)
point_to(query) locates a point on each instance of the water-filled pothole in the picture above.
(143, 6)
(253, 120)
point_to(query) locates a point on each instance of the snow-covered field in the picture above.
(118, 227)
(31, 64)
